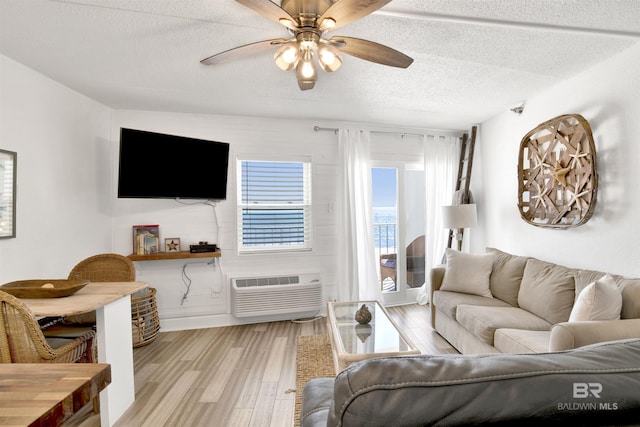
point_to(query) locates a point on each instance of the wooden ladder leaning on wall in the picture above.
(462, 194)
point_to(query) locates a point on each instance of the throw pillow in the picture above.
(468, 273)
(547, 290)
(506, 275)
(600, 300)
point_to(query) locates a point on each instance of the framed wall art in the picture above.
(8, 176)
(557, 175)
(172, 244)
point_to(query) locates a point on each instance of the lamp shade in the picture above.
(287, 56)
(459, 216)
(329, 58)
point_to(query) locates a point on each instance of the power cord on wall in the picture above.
(185, 277)
(211, 203)
(187, 280)
(187, 283)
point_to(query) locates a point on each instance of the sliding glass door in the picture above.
(398, 194)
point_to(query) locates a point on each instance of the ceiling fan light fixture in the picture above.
(306, 71)
(287, 56)
(307, 68)
(329, 58)
(327, 24)
(306, 84)
(288, 23)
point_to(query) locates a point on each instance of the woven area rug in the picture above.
(313, 360)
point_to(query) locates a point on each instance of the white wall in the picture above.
(608, 96)
(63, 199)
(208, 299)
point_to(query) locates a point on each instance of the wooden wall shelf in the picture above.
(160, 256)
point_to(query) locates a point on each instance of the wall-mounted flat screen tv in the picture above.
(156, 165)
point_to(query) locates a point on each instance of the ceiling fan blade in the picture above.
(242, 51)
(344, 12)
(271, 11)
(371, 51)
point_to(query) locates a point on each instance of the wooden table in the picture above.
(46, 394)
(112, 303)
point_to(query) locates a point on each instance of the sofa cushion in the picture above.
(447, 302)
(506, 275)
(483, 321)
(521, 341)
(584, 278)
(547, 290)
(468, 273)
(630, 297)
(601, 300)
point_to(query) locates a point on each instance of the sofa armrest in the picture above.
(317, 398)
(569, 335)
(437, 276)
(435, 281)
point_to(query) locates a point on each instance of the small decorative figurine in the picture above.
(363, 315)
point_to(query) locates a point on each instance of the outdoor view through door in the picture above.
(398, 195)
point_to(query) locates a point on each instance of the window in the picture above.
(274, 205)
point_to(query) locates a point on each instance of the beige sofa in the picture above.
(498, 302)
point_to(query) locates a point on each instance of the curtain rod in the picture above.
(335, 130)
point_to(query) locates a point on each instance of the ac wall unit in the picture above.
(276, 295)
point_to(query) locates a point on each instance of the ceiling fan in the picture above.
(307, 22)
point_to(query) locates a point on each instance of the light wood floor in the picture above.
(237, 375)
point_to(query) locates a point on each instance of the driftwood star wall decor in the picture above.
(557, 175)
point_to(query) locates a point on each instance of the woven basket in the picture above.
(145, 322)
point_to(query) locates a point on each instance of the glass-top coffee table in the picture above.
(352, 342)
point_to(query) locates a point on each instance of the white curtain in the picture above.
(441, 158)
(357, 278)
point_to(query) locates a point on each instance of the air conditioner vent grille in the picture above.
(276, 295)
(267, 281)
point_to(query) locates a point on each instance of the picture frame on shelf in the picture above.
(146, 239)
(172, 244)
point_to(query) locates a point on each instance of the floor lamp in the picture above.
(459, 217)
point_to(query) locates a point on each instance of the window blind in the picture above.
(275, 205)
(7, 198)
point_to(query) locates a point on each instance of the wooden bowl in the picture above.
(43, 288)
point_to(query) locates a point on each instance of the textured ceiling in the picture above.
(473, 58)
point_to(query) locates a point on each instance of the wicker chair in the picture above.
(22, 341)
(112, 268)
(415, 264)
(99, 268)
(105, 268)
